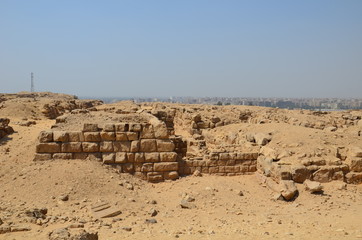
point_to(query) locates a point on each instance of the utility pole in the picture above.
(32, 82)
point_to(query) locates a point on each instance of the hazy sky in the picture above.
(256, 48)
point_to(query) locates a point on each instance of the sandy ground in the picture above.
(218, 212)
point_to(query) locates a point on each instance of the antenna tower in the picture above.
(32, 82)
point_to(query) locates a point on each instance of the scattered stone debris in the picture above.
(65, 234)
(151, 221)
(38, 213)
(313, 187)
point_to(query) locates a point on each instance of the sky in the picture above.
(197, 48)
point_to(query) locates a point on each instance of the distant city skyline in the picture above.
(236, 48)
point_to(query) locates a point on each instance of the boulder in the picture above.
(312, 186)
(262, 138)
(288, 189)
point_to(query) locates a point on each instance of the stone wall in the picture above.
(143, 149)
(132, 147)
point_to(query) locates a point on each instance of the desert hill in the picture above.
(216, 194)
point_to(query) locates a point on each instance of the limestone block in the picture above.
(106, 146)
(324, 174)
(94, 156)
(71, 147)
(90, 127)
(124, 146)
(161, 131)
(288, 189)
(147, 132)
(171, 175)
(147, 167)
(108, 136)
(168, 157)
(121, 127)
(90, 147)
(62, 156)
(131, 136)
(154, 177)
(48, 147)
(75, 136)
(312, 186)
(92, 136)
(224, 156)
(42, 156)
(121, 157)
(130, 157)
(45, 136)
(148, 145)
(60, 136)
(356, 165)
(166, 166)
(137, 167)
(165, 145)
(229, 169)
(135, 146)
(135, 127)
(214, 156)
(152, 157)
(139, 157)
(128, 168)
(108, 158)
(81, 156)
(300, 173)
(109, 127)
(354, 177)
(230, 162)
(121, 136)
(213, 170)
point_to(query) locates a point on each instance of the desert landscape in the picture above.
(82, 169)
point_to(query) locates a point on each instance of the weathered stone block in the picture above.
(147, 167)
(137, 167)
(354, 177)
(71, 147)
(90, 127)
(45, 136)
(131, 136)
(135, 146)
(147, 132)
(166, 166)
(130, 157)
(121, 157)
(168, 156)
(108, 136)
(213, 170)
(108, 158)
(128, 168)
(62, 156)
(95, 156)
(152, 157)
(148, 145)
(121, 136)
(121, 127)
(300, 173)
(214, 156)
(224, 156)
(42, 156)
(81, 156)
(106, 147)
(48, 148)
(90, 147)
(124, 146)
(165, 146)
(92, 136)
(171, 175)
(60, 136)
(135, 127)
(109, 127)
(139, 157)
(356, 165)
(75, 136)
(154, 177)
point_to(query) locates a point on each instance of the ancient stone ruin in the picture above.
(5, 129)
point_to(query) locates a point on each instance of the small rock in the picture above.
(1, 221)
(64, 197)
(128, 229)
(240, 193)
(197, 173)
(313, 186)
(153, 212)
(153, 202)
(129, 186)
(151, 220)
(20, 229)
